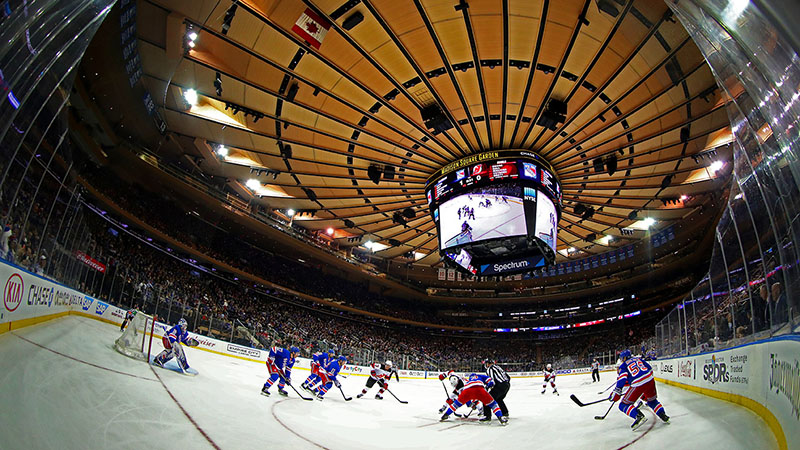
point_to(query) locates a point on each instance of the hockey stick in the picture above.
(581, 404)
(401, 401)
(346, 398)
(294, 389)
(609, 410)
(606, 389)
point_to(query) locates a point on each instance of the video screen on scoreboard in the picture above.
(463, 259)
(484, 213)
(546, 221)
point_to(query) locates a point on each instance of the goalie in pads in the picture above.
(172, 341)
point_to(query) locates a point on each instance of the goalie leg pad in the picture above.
(177, 349)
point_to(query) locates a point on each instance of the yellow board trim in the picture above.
(748, 403)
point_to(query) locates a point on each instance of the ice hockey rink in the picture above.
(65, 387)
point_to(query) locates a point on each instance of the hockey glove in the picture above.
(382, 384)
(616, 395)
(192, 342)
(442, 377)
(337, 383)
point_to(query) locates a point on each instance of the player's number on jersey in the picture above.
(635, 368)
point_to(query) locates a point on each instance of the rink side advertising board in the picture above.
(763, 376)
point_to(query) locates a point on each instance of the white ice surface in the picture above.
(50, 401)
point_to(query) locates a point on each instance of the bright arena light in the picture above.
(192, 36)
(290, 212)
(222, 151)
(649, 222)
(715, 166)
(329, 231)
(253, 184)
(190, 96)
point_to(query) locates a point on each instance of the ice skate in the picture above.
(640, 420)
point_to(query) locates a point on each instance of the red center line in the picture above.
(185, 413)
(80, 360)
(274, 416)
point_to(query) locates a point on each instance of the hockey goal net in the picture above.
(137, 339)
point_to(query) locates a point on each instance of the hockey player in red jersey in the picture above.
(549, 375)
(380, 374)
(638, 375)
(474, 390)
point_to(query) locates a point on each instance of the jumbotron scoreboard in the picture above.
(496, 212)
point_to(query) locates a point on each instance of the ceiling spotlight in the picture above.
(715, 166)
(192, 36)
(190, 96)
(648, 222)
(222, 151)
(369, 244)
(329, 231)
(684, 197)
(571, 250)
(253, 184)
(290, 212)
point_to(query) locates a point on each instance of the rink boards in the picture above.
(763, 376)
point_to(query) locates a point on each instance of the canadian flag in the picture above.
(312, 28)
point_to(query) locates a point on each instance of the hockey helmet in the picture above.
(624, 355)
(549, 366)
(182, 323)
(454, 381)
(342, 358)
(388, 363)
(294, 349)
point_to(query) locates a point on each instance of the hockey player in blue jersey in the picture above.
(279, 364)
(328, 376)
(638, 376)
(172, 341)
(318, 359)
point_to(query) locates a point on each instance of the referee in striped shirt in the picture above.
(502, 383)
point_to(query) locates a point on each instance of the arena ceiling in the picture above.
(307, 122)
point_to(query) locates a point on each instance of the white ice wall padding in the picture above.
(136, 340)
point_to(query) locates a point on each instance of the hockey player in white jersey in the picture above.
(379, 374)
(549, 375)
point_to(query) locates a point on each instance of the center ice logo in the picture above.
(12, 295)
(86, 303)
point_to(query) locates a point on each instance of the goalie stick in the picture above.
(581, 404)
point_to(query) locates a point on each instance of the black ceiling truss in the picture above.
(352, 126)
(343, 73)
(579, 83)
(420, 74)
(463, 6)
(599, 90)
(451, 74)
(534, 62)
(504, 105)
(397, 85)
(612, 107)
(322, 90)
(301, 126)
(575, 33)
(603, 153)
(582, 171)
